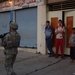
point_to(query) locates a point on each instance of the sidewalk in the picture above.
(28, 63)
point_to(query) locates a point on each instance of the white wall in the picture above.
(52, 14)
(41, 19)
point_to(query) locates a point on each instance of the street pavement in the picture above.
(28, 63)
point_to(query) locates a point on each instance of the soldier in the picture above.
(11, 42)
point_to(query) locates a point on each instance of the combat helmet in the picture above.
(14, 25)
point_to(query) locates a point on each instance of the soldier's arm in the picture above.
(4, 40)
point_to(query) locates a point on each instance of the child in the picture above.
(59, 31)
(72, 45)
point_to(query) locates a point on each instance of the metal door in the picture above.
(4, 22)
(27, 20)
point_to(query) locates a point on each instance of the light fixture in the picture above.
(10, 2)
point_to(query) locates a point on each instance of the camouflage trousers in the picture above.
(9, 61)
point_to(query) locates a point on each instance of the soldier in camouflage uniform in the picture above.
(11, 42)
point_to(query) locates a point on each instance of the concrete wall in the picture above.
(54, 14)
(41, 47)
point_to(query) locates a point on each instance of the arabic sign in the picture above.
(18, 4)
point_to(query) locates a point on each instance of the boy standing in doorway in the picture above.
(59, 31)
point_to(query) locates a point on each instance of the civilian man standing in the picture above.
(49, 31)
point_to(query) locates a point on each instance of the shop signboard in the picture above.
(19, 4)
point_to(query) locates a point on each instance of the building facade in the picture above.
(31, 16)
(64, 10)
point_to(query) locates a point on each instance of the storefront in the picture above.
(31, 17)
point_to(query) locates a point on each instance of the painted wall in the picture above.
(54, 14)
(41, 47)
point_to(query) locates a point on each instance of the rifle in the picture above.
(2, 35)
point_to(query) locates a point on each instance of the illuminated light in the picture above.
(10, 2)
